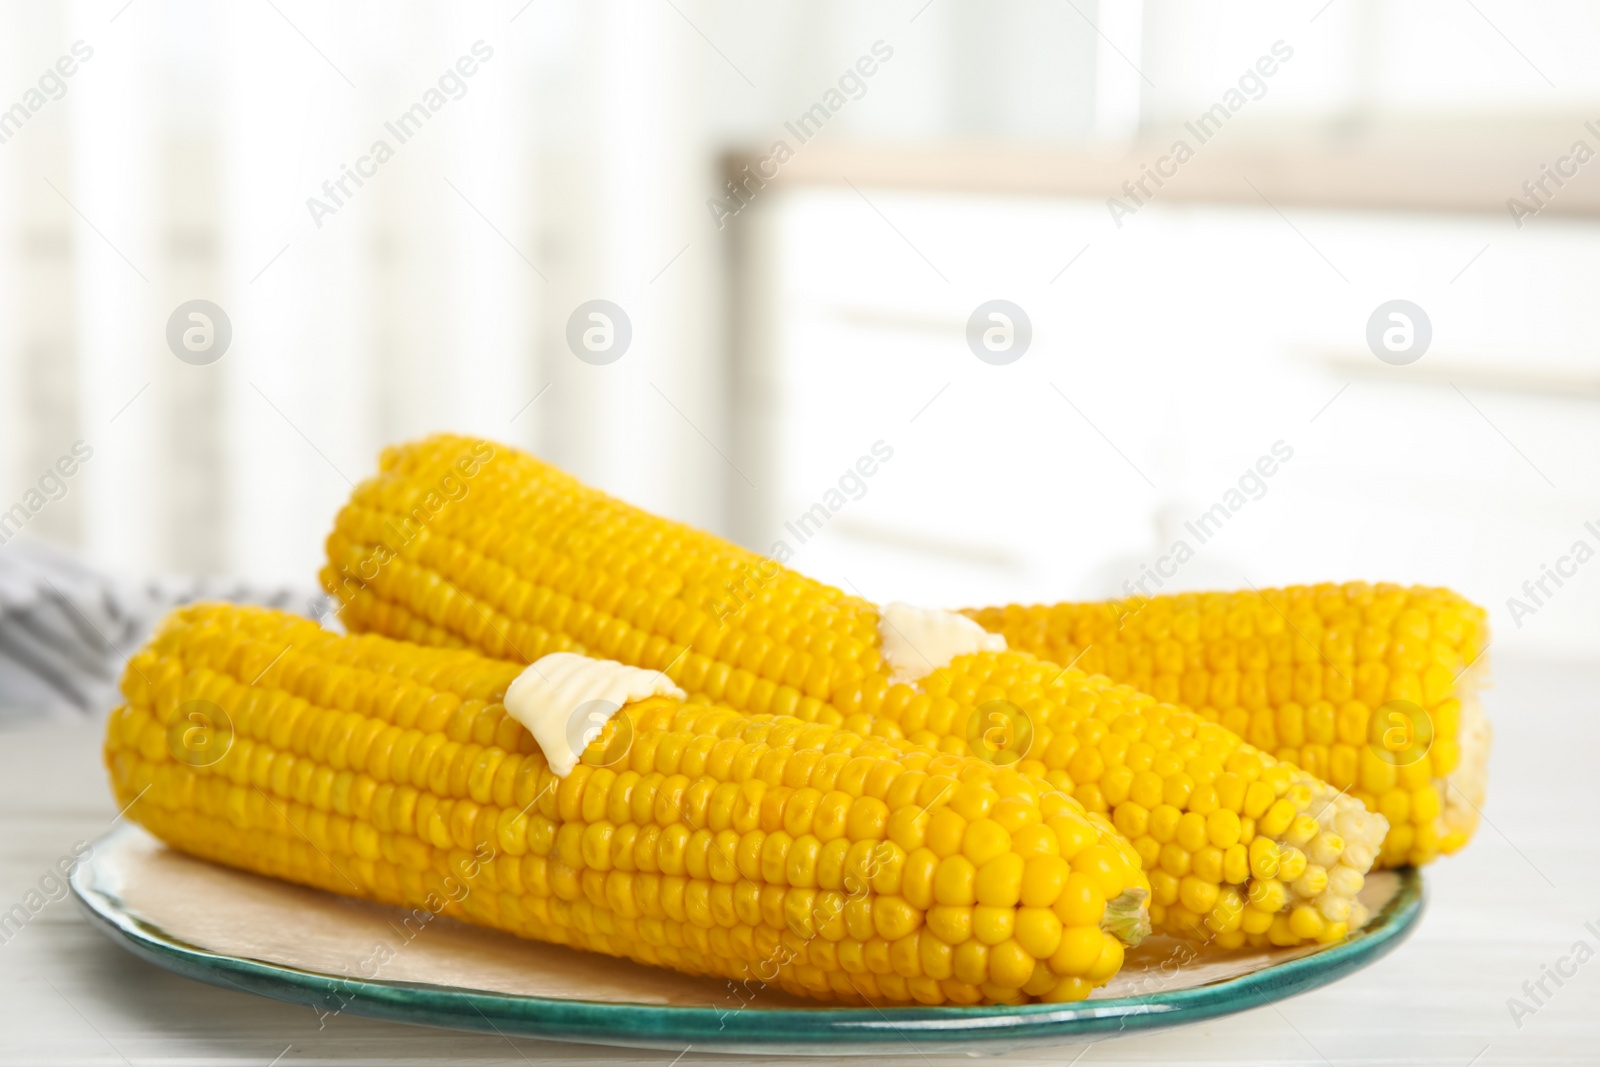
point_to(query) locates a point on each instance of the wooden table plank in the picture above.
(1515, 901)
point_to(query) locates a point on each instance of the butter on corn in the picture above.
(755, 847)
(530, 561)
(915, 641)
(1320, 676)
(565, 700)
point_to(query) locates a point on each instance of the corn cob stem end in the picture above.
(1127, 918)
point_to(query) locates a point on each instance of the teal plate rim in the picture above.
(770, 1030)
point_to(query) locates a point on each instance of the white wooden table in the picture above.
(1515, 901)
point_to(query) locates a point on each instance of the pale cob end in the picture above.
(1466, 787)
(759, 848)
(1311, 674)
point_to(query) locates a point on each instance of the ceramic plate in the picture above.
(336, 955)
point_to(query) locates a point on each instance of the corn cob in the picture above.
(459, 542)
(1371, 687)
(526, 560)
(757, 848)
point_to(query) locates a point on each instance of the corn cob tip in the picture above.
(1127, 917)
(1338, 853)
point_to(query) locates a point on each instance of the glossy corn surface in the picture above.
(522, 560)
(761, 849)
(1371, 687)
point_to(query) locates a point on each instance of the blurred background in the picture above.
(800, 215)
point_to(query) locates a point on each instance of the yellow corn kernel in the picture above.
(1011, 966)
(1039, 931)
(1043, 879)
(1268, 895)
(1264, 858)
(1081, 902)
(1306, 923)
(1079, 950)
(1222, 828)
(992, 925)
(985, 840)
(1291, 864)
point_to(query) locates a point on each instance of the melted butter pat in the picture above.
(565, 700)
(915, 641)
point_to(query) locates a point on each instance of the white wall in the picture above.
(578, 165)
(1169, 359)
